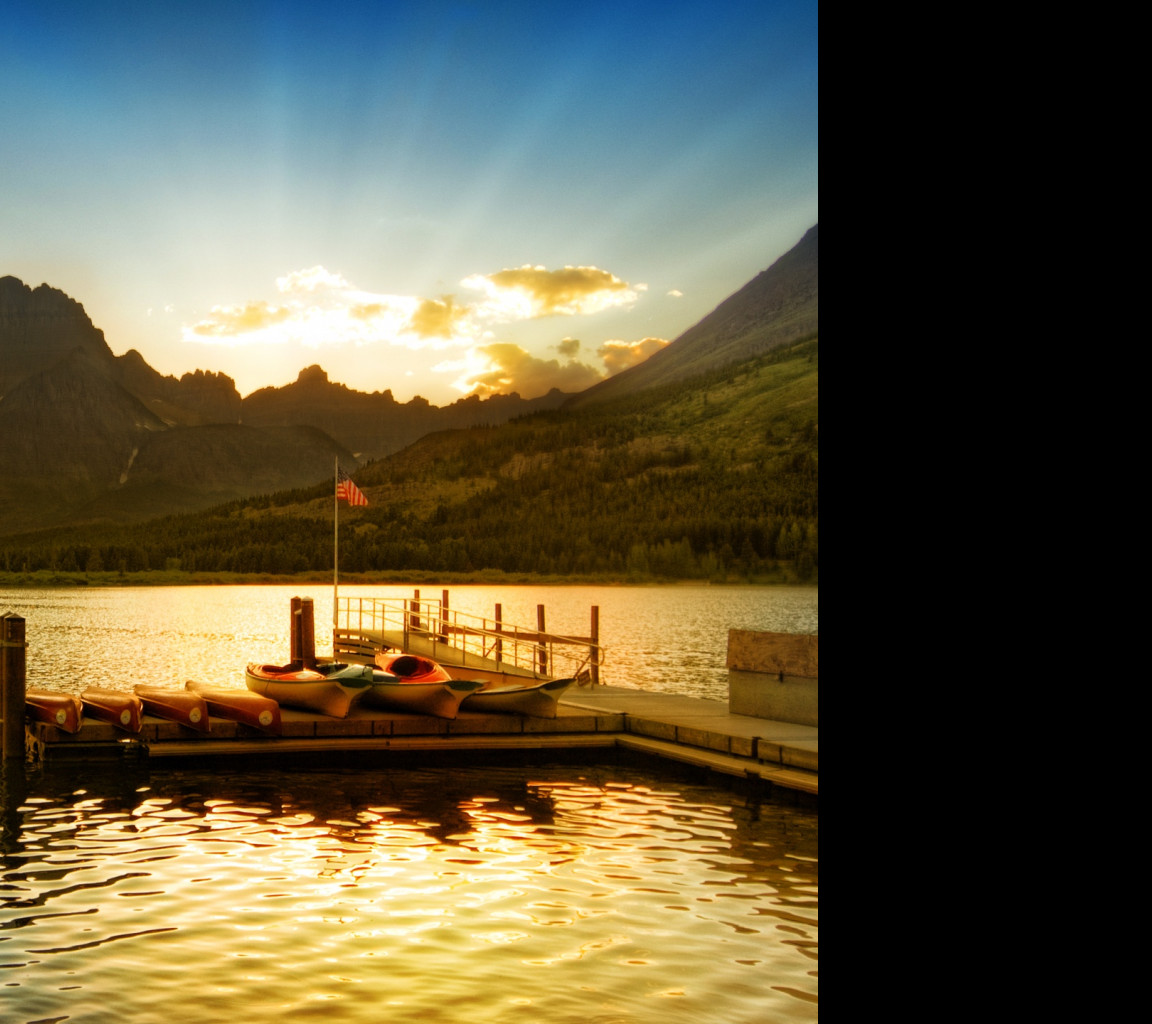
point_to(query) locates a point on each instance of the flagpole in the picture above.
(335, 541)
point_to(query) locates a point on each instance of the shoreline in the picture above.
(167, 578)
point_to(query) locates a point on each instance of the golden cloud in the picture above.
(620, 355)
(507, 368)
(529, 292)
(228, 321)
(437, 318)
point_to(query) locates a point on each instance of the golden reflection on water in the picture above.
(537, 894)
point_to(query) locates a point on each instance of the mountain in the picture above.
(779, 306)
(89, 437)
(374, 425)
(92, 437)
(712, 478)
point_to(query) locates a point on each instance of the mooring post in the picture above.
(416, 610)
(308, 632)
(444, 617)
(594, 650)
(13, 664)
(295, 658)
(542, 651)
(499, 633)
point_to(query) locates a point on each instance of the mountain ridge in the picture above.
(94, 437)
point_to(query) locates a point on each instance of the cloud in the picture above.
(319, 308)
(229, 322)
(311, 280)
(503, 368)
(529, 292)
(438, 318)
(620, 355)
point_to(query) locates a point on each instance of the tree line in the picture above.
(714, 482)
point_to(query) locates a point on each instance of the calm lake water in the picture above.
(591, 893)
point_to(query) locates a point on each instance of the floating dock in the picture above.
(590, 718)
(684, 729)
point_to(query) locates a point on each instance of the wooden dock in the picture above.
(683, 729)
(591, 721)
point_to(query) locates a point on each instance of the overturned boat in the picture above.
(183, 706)
(243, 706)
(123, 710)
(63, 710)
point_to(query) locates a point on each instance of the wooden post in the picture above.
(593, 651)
(541, 650)
(13, 663)
(499, 631)
(416, 610)
(296, 658)
(308, 632)
(444, 617)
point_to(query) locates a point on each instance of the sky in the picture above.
(432, 198)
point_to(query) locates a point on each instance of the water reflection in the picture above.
(547, 893)
(663, 638)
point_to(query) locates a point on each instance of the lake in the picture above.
(598, 893)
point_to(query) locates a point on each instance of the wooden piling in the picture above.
(541, 650)
(296, 658)
(594, 644)
(13, 683)
(308, 632)
(499, 649)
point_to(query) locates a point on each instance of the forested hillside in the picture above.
(715, 478)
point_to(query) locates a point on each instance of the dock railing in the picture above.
(365, 625)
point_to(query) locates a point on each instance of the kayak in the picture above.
(241, 706)
(411, 667)
(331, 689)
(536, 699)
(498, 692)
(439, 697)
(181, 706)
(122, 710)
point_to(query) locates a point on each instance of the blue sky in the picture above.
(433, 198)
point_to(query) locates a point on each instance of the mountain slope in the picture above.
(91, 437)
(779, 306)
(715, 478)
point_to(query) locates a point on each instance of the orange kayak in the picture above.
(63, 710)
(183, 706)
(122, 710)
(411, 668)
(242, 706)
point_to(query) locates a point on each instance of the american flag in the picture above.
(347, 490)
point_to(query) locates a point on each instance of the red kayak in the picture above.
(63, 710)
(183, 706)
(122, 710)
(242, 706)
